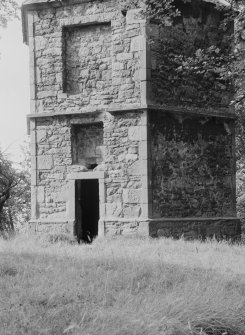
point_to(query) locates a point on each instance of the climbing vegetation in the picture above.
(8, 11)
(14, 193)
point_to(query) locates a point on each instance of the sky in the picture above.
(14, 89)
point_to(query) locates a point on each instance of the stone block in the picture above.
(33, 202)
(33, 148)
(138, 43)
(56, 176)
(114, 209)
(131, 196)
(32, 89)
(143, 150)
(118, 66)
(145, 74)
(40, 43)
(144, 181)
(117, 80)
(135, 169)
(143, 229)
(45, 162)
(62, 195)
(121, 157)
(40, 194)
(124, 56)
(145, 60)
(33, 136)
(146, 210)
(102, 210)
(133, 150)
(145, 198)
(32, 125)
(101, 228)
(46, 94)
(143, 134)
(131, 158)
(134, 133)
(144, 93)
(41, 135)
(132, 211)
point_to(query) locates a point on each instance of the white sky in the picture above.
(14, 88)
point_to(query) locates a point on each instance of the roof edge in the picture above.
(39, 4)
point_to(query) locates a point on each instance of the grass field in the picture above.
(121, 287)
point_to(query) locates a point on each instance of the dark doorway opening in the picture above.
(87, 209)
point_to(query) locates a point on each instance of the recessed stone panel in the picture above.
(192, 168)
(45, 162)
(87, 61)
(87, 144)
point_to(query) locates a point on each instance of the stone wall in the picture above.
(124, 193)
(86, 57)
(54, 156)
(120, 139)
(193, 167)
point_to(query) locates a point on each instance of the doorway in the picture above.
(87, 209)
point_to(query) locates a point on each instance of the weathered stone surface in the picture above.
(88, 61)
(134, 133)
(45, 162)
(192, 166)
(131, 196)
(87, 144)
(50, 228)
(40, 194)
(229, 228)
(121, 227)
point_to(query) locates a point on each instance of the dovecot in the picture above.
(112, 151)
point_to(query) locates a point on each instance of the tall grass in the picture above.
(122, 287)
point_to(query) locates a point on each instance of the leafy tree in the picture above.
(14, 183)
(8, 181)
(8, 11)
(14, 194)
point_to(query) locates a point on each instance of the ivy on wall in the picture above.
(193, 57)
(192, 51)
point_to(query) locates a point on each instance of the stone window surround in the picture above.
(86, 176)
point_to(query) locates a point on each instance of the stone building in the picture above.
(111, 154)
